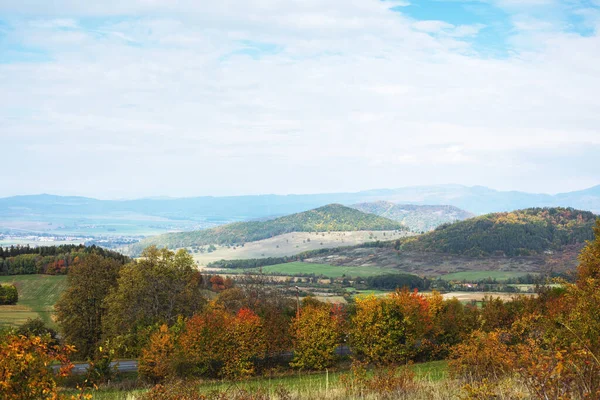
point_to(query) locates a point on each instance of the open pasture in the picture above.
(330, 271)
(37, 296)
(475, 276)
(290, 244)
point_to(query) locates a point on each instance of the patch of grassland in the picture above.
(306, 385)
(37, 296)
(330, 271)
(474, 276)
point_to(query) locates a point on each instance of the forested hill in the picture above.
(518, 233)
(417, 218)
(333, 217)
(51, 260)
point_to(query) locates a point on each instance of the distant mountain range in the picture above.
(333, 217)
(417, 218)
(476, 199)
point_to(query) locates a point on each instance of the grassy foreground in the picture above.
(299, 385)
(37, 296)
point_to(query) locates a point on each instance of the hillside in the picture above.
(333, 217)
(417, 218)
(518, 233)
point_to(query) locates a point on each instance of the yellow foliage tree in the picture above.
(25, 372)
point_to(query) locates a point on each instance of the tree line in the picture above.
(50, 260)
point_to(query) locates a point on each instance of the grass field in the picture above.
(474, 276)
(290, 244)
(330, 271)
(299, 383)
(37, 296)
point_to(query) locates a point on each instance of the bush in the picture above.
(8, 294)
(37, 327)
(24, 372)
(485, 355)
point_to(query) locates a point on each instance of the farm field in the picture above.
(478, 296)
(474, 276)
(37, 296)
(24, 242)
(290, 244)
(330, 271)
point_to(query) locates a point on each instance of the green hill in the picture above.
(418, 218)
(518, 233)
(333, 217)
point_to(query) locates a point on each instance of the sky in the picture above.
(138, 98)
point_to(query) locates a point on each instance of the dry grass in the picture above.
(290, 244)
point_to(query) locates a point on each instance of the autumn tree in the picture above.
(24, 372)
(219, 343)
(157, 289)
(390, 329)
(270, 304)
(316, 334)
(80, 309)
(589, 258)
(157, 358)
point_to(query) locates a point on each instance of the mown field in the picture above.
(330, 271)
(475, 276)
(37, 296)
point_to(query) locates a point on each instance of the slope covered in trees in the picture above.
(418, 218)
(333, 217)
(518, 233)
(51, 260)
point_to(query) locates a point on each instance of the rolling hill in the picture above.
(68, 215)
(538, 240)
(417, 218)
(518, 233)
(333, 217)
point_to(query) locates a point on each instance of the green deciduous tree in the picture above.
(157, 289)
(80, 309)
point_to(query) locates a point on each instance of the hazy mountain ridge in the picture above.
(209, 211)
(333, 217)
(418, 218)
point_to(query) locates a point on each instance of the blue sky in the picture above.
(133, 98)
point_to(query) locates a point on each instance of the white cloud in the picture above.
(354, 96)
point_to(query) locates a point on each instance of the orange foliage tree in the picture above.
(156, 361)
(24, 367)
(218, 343)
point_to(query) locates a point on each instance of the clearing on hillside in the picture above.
(290, 244)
